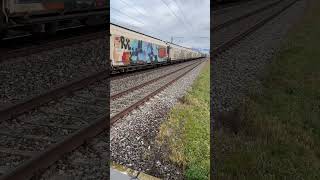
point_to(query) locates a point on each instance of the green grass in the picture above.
(280, 135)
(186, 133)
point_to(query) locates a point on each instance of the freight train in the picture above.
(46, 15)
(133, 50)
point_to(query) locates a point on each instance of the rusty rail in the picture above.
(63, 90)
(234, 40)
(123, 113)
(9, 54)
(237, 19)
(46, 158)
(122, 93)
(55, 93)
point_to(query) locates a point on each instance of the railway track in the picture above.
(237, 36)
(124, 102)
(41, 136)
(40, 131)
(12, 48)
(225, 8)
(220, 26)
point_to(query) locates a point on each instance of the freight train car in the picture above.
(178, 53)
(129, 49)
(133, 50)
(45, 15)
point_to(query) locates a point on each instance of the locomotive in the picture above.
(46, 15)
(133, 50)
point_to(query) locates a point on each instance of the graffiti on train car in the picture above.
(133, 51)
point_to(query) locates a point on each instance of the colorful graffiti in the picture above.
(132, 51)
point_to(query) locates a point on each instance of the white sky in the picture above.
(188, 21)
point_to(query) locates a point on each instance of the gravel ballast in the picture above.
(132, 138)
(123, 83)
(227, 14)
(227, 33)
(32, 75)
(87, 162)
(38, 130)
(123, 102)
(239, 70)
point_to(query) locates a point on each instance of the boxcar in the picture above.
(133, 50)
(178, 53)
(129, 48)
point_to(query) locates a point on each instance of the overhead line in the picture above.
(183, 15)
(126, 3)
(127, 15)
(172, 11)
(151, 29)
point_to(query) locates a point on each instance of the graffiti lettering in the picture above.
(125, 43)
(134, 51)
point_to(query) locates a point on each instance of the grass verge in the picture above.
(186, 133)
(279, 135)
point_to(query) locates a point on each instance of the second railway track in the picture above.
(227, 39)
(11, 49)
(37, 137)
(224, 24)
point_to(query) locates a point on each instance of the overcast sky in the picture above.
(188, 21)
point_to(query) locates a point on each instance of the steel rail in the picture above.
(122, 93)
(46, 97)
(57, 92)
(24, 51)
(237, 19)
(62, 90)
(223, 47)
(127, 110)
(52, 154)
(55, 152)
(76, 139)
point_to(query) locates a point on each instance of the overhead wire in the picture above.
(126, 3)
(150, 29)
(183, 15)
(137, 10)
(183, 21)
(173, 13)
(177, 2)
(119, 11)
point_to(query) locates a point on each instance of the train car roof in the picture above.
(150, 36)
(136, 32)
(181, 46)
(177, 45)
